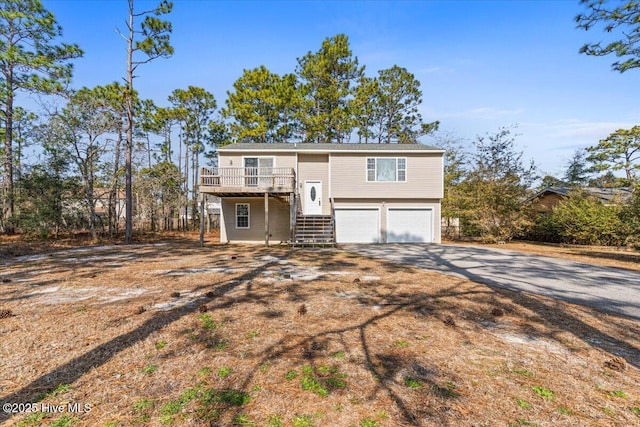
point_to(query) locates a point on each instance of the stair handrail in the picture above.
(296, 205)
(333, 219)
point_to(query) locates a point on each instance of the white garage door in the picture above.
(409, 225)
(357, 225)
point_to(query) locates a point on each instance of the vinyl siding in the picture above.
(282, 160)
(278, 220)
(314, 167)
(424, 177)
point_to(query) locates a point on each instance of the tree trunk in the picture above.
(92, 210)
(181, 186)
(113, 191)
(194, 186)
(8, 191)
(128, 229)
(186, 185)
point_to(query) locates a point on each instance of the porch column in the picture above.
(203, 198)
(266, 219)
(292, 215)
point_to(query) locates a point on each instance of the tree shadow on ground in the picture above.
(547, 311)
(78, 366)
(560, 319)
(84, 264)
(618, 256)
(384, 365)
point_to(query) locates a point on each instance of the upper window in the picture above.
(386, 169)
(258, 170)
(242, 215)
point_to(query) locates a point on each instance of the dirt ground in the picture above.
(167, 333)
(599, 255)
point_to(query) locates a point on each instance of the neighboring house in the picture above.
(546, 199)
(213, 209)
(76, 205)
(325, 193)
(102, 204)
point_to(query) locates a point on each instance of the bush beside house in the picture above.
(582, 217)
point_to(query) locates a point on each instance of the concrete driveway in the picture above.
(608, 289)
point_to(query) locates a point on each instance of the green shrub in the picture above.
(583, 220)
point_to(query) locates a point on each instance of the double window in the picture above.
(258, 170)
(386, 169)
(242, 215)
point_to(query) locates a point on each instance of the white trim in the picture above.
(259, 157)
(305, 209)
(250, 180)
(297, 172)
(412, 208)
(442, 180)
(375, 170)
(235, 216)
(330, 189)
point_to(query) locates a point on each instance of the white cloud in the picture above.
(571, 130)
(436, 70)
(485, 113)
(492, 113)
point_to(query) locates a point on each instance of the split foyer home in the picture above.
(327, 193)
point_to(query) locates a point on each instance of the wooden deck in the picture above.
(240, 181)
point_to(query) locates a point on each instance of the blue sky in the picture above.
(482, 64)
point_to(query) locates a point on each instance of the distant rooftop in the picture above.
(308, 146)
(605, 194)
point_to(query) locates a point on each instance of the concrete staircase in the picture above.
(314, 230)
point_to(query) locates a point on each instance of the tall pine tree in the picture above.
(30, 61)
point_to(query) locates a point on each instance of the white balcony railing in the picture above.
(238, 177)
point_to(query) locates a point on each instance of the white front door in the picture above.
(313, 197)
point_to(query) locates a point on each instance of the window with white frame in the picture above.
(242, 215)
(386, 169)
(259, 170)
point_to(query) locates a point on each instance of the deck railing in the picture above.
(259, 178)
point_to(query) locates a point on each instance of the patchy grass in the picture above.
(209, 323)
(401, 344)
(523, 404)
(543, 392)
(412, 382)
(523, 372)
(150, 369)
(99, 326)
(224, 372)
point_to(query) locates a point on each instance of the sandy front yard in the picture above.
(172, 334)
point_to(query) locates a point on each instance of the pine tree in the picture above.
(30, 62)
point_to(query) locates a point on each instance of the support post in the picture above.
(202, 199)
(266, 219)
(292, 215)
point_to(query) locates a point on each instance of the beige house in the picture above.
(327, 193)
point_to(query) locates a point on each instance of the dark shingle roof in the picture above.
(604, 194)
(311, 147)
